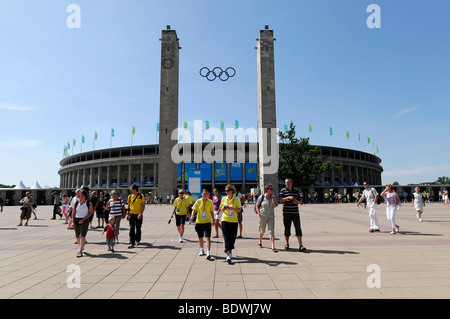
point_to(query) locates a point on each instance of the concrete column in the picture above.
(118, 176)
(168, 114)
(155, 172)
(142, 174)
(130, 167)
(108, 177)
(268, 164)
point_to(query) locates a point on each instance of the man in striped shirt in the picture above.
(116, 208)
(290, 197)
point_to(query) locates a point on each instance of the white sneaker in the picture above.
(228, 259)
(202, 252)
(393, 233)
(420, 219)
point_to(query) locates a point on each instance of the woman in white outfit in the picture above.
(445, 198)
(392, 199)
(418, 203)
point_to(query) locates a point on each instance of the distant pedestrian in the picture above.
(217, 199)
(94, 201)
(110, 233)
(392, 200)
(99, 211)
(82, 211)
(445, 198)
(265, 206)
(56, 205)
(230, 206)
(240, 214)
(180, 210)
(190, 201)
(1, 205)
(290, 197)
(65, 208)
(418, 202)
(370, 195)
(204, 210)
(27, 203)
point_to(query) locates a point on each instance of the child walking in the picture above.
(110, 233)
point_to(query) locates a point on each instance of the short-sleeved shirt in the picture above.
(289, 207)
(204, 210)
(27, 199)
(181, 205)
(369, 195)
(116, 207)
(190, 200)
(265, 206)
(230, 215)
(135, 203)
(390, 198)
(418, 198)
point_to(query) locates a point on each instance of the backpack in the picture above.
(256, 204)
(379, 197)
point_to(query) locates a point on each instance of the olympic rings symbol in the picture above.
(217, 72)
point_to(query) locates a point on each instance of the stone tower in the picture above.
(268, 147)
(168, 112)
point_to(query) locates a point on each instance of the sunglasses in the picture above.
(269, 189)
(228, 190)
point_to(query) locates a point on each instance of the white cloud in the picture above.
(417, 171)
(405, 111)
(14, 107)
(20, 143)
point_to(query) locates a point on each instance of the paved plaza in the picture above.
(343, 260)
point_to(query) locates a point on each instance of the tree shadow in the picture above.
(9, 228)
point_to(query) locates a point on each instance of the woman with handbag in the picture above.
(392, 200)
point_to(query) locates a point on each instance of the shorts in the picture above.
(26, 213)
(239, 215)
(180, 220)
(81, 229)
(418, 207)
(266, 221)
(203, 230)
(217, 214)
(117, 220)
(289, 219)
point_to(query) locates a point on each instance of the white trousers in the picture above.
(390, 214)
(373, 217)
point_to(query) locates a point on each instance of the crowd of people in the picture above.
(211, 212)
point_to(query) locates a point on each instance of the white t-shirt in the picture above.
(82, 210)
(369, 195)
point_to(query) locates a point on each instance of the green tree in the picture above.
(299, 160)
(443, 180)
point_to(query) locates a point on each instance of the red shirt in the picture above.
(111, 231)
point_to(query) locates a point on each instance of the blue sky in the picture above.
(389, 84)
